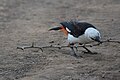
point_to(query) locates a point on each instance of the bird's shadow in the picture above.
(92, 53)
(79, 53)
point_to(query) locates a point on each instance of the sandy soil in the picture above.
(25, 21)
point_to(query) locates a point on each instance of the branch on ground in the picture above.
(59, 47)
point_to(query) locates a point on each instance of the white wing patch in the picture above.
(68, 29)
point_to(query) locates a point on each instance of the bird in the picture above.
(79, 32)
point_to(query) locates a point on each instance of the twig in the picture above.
(59, 47)
(32, 46)
(110, 40)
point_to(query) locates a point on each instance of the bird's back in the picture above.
(76, 28)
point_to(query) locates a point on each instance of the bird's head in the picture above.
(93, 34)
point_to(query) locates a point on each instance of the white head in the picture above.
(93, 34)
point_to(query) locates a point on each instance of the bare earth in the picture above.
(25, 21)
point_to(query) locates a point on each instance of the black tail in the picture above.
(56, 28)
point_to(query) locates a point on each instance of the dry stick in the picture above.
(59, 47)
(109, 40)
(32, 46)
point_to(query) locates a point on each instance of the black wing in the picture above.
(76, 28)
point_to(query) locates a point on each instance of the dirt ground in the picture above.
(25, 21)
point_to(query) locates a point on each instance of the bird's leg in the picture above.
(76, 47)
(71, 46)
(86, 48)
